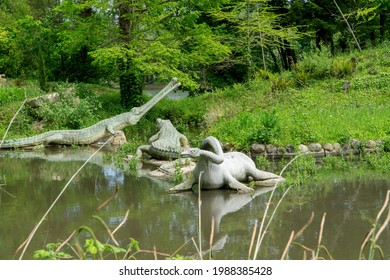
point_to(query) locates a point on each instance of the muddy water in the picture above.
(30, 182)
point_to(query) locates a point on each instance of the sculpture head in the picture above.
(191, 153)
(160, 123)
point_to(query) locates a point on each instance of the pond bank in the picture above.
(353, 147)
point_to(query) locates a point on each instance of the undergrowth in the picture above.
(323, 99)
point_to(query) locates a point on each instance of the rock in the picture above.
(371, 144)
(119, 139)
(47, 98)
(315, 147)
(280, 150)
(303, 149)
(3, 80)
(290, 149)
(380, 144)
(355, 144)
(257, 149)
(37, 102)
(270, 149)
(337, 147)
(169, 172)
(328, 147)
(347, 148)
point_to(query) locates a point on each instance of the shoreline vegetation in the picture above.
(274, 110)
(340, 101)
(323, 96)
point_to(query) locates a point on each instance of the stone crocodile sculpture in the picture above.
(168, 143)
(94, 133)
(217, 169)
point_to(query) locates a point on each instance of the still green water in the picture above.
(30, 182)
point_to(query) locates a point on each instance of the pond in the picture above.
(30, 181)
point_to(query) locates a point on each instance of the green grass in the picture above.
(321, 111)
(273, 108)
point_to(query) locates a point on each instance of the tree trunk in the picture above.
(131, 78)
(131, 86)
(42, 74)
(382, 25)
(274, 59)
(287, 55)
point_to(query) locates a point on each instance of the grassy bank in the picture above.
(323, 99)
(279, 110)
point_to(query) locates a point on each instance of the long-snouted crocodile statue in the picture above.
(94, 133)
(217, 169)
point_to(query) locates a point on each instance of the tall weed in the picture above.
(342, 67)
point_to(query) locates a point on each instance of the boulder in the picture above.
(347, 148)
(270, 149)
(303, 149)
(371, 144)
(280, 150)
(355, 144)
(315, 147)
(119, 139)
(290, 149)
(337, 147)
(257, 149)
(328, 147)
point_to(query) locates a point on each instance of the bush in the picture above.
(342, 67)
(269, 129)
(301, 78)
(316, 65)
(69, 112)
(279, 83)
(386, 144)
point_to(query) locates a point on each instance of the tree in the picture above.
(160, 38)
(80, 27)
(33, 39)
(255, 28)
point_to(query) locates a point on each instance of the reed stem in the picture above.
(58, 197)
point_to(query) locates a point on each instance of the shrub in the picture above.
(268, 131)
(301, 78)
(386, 144)
(279, 83)
(342, 67)
(315, 65)
(69, 112)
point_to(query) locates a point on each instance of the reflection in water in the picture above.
(215, 205)
(164, 221)
(113, 176)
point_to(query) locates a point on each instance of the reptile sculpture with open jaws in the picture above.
(94, 133)
(168, 143)
(217, 169)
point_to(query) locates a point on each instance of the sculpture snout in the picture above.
(190, 153)
(185, 154)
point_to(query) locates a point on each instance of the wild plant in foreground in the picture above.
(28, 240)
(369, 244)
(371, 239)
(12, 120)
(315, 253)
(263, 230)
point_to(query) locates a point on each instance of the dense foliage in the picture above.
(205, 43)
(282, 72)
